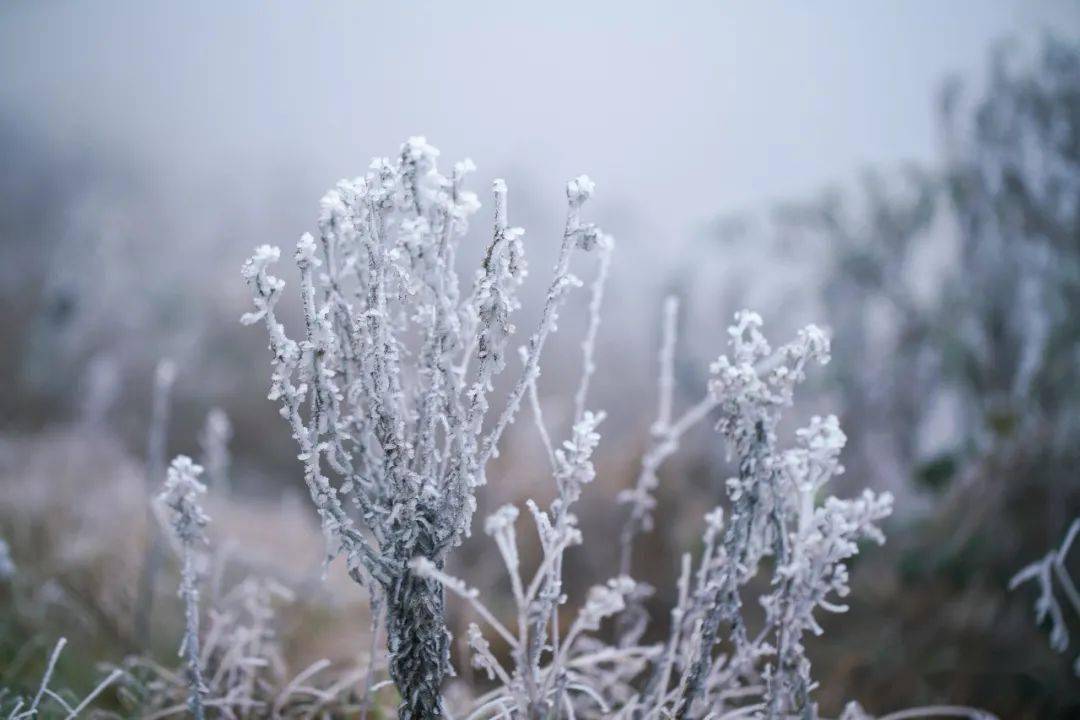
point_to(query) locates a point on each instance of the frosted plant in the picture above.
(666, 433)
(181, 497)
(20, 708)
(245, 671)
(775, 512)
(388, 391)
(552, 674)
(1044, 572)
(214, 441)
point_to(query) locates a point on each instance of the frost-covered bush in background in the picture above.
(952, 290)
(214, 441)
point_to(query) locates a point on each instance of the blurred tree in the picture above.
(953, 295)
(883, 361)
(1000, 333)
(1013, 305)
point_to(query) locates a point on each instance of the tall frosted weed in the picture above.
(188, 521)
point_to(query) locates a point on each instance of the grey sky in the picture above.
(678, 110)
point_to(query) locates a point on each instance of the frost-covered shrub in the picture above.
(387, 397)
(388, 390)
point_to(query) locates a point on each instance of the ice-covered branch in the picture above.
(1044, 572)
(664, 442)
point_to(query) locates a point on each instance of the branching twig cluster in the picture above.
(1044, 572)
(388, 392)
(777, 512)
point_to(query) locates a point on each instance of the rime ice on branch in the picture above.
(1044, 572)
(388, 389)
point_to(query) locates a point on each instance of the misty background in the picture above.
(678, 113)
(153, 145)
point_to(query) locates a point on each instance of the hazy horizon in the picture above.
(677, 116)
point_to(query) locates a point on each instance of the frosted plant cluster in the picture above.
(388, 394)
(776, 513)
(245, 673)
(236, 667)
(390, 397)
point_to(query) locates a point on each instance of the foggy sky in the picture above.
(677, 110)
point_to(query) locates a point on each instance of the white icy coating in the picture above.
(778, 511)
(181, 497)
(388, 391)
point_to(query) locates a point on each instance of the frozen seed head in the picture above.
(181, 496)
(580, 189)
